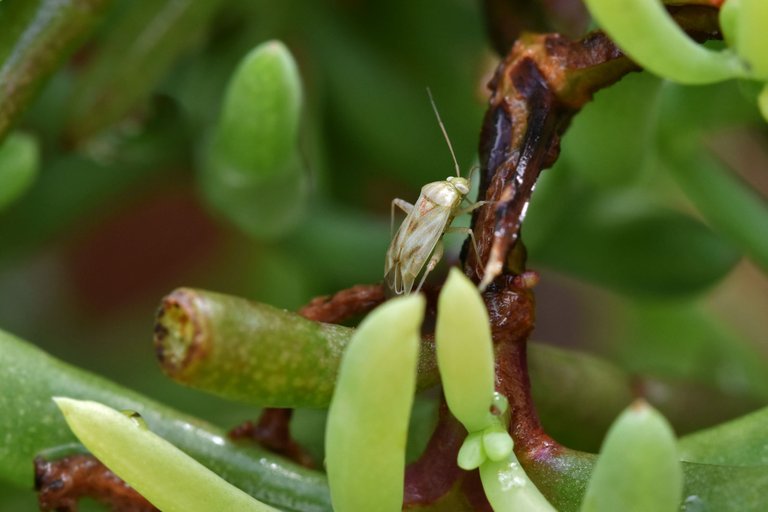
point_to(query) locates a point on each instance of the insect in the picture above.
(420, 235)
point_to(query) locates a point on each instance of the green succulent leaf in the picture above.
(252, 171)
(365, 449)
(509, 489)
(739, 442)
(638, 468)
(19, 160)
(465, 352)
(169, 478)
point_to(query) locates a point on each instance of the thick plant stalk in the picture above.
(252, 352)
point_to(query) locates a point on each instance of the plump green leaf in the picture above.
(638, 467)
(252, 171)
(465, 352)
(751, 38)
(166, 476)
(740, 442)
(19, 157)
(368, 416)
(509, 489)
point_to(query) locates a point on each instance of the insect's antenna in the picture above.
(445, 133)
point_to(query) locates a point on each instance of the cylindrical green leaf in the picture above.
(368, 417)
(509, 489)
(638, 468)
(18, 167)
(465, 352)
(252, 352)
(31, 423)
(169, 478)
(751, 36)
(253, 172)
(648, 34)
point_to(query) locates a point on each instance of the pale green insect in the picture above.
(420, 235)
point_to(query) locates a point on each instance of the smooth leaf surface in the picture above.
(638, 467)
(252, 171)
(740, 442)
(365, 449)
(170, 479)
(465, 352)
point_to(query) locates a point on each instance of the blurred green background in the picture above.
(637, 265)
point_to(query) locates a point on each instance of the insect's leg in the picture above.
(473, 207)
(403, 205)
(466, 231)
(433, 261)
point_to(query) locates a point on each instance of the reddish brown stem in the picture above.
(61, 483)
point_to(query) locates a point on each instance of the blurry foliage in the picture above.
(114, 218)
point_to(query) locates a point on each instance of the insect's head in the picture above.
(460, 184)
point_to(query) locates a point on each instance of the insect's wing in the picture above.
(393, 276)
(414, 242)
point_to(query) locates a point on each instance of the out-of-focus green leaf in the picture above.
(688, 342)
(607, 142)
(252, 171)
(625, 243)
(37, 36)
(365, 449)
(732, 208)
(740, 442)
(18, 167)
(72, 187)
(166, 476)
(30, 422)
(135, 52)
(638, 468)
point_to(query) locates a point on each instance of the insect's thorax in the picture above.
(442, 193)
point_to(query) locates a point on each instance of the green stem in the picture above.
(38, 37)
